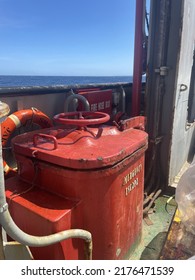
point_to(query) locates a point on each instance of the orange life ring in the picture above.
(18, 119)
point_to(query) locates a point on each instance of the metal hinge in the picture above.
(163, 70)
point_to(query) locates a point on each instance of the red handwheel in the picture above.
(84, 118)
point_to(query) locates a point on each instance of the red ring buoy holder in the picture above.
(100, 118)
(18, 119)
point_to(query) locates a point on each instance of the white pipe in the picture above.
(34, 241)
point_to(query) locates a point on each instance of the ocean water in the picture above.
(22, 81)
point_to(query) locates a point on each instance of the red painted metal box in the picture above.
(39, 213)
(102, 167)
(99, 100)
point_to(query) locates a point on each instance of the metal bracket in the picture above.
(135, 122)
(163, 70)
(4, 208)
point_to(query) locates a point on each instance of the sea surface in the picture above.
(22, 81)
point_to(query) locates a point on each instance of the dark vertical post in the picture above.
(2, 257)
(137, 70)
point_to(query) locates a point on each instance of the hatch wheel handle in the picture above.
(83, 118)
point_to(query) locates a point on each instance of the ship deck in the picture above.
(164, 237)
(156, 226)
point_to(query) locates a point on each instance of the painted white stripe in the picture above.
(15, 120)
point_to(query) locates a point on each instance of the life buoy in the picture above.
(18, 119)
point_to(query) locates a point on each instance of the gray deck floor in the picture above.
(154, 235)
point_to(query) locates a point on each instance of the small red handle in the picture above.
(45, 136)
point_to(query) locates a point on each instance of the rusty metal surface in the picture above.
(180, 243)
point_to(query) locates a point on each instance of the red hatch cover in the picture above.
(89, 148)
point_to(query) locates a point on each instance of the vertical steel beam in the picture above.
(138, 47)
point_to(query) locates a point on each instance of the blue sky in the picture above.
(67, 37)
